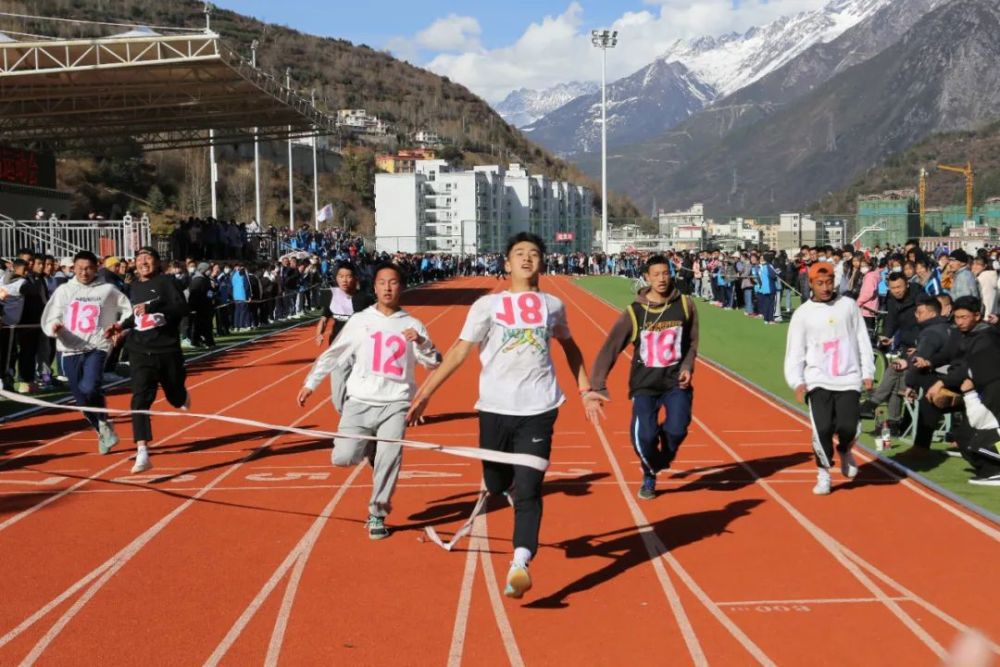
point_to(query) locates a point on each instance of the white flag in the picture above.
(325, 213)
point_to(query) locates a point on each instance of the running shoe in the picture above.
(954, 452)
(518, 581)
(142, 463)
(822, 487)
(848, 467)
(648, 489)
(992, 480)
(376, 528)
(106, 436)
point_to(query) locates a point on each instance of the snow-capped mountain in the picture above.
(524, 106)
(732, 61)
(712, 68)
(649, 102)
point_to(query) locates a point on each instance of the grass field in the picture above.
(756, 352)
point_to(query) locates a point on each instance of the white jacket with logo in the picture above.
(84, 311)
(828, 347)
(382, 361)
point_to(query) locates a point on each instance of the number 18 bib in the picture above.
(660, 349)
(525, 310)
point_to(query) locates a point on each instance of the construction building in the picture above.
(896, 212)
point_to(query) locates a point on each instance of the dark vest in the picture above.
(661, 336)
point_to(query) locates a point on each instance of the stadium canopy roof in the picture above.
(164, 91)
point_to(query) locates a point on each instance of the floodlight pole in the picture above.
(213, 172)
(291, 191)
(256, 150)
(315, 169)
(604, 40)
(208, 16)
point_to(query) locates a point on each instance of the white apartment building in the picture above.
(359, 120)
(692, 217)
(439, 209)
(796, 230)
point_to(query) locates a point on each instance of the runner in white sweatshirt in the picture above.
(828, 358)
(77, 315)
(382, 345)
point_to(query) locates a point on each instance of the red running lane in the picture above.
(746, 566)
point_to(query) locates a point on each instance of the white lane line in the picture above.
(496, 601)
(833, 547)
(769, 430)
(111, 566)
(816, 601)
(464, 600)
(100, 473)
(968, 518)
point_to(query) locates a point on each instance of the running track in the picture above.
(245, 546)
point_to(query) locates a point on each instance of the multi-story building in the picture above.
(896, 213)
(403, 161)
(437, 209)
(425, 138)
(796, 230)
(692, 217)
(361, 122)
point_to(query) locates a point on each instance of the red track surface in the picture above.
(248, 547)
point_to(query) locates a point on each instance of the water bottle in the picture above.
(885, 441)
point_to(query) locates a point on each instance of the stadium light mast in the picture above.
(213, 173)
(291, 187)
(604, 40)
(256, 149)
(315, 169)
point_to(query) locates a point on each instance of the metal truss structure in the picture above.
(163, 91)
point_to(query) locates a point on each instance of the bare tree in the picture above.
(196, 189)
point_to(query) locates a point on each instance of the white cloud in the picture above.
(452, 33)
(557, 48)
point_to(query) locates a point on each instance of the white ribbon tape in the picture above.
(527, 460)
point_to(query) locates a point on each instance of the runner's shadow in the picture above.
(218, 441)
(624, 548)
(452, 509)
(869, 474)
(33, 460)
(734, 476)
(14, 437)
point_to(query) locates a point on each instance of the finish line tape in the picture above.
(527, 460)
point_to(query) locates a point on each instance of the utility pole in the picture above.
(291, 186)
(256, 149)
(604, 40)
(315, 168)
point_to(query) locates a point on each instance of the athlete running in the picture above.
(828, 358)
(519, 397)
(381, 345)
(78, 316)
(345, 300)
(662, 326)
(154, 346)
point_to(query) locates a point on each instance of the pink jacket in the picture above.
(868, 297)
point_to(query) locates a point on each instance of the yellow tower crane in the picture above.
(922, 191)
(969, 181)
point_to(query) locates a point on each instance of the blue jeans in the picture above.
(657, 442)
(748, 300)
(84, 374)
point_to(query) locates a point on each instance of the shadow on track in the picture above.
(458, 507)
(733, 476)
(624, 548)
(444, 296)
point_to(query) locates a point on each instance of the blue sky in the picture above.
(495, 47)
(377, 22)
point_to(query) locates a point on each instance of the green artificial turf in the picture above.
(757, 352)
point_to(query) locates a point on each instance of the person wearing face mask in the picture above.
(868, 294)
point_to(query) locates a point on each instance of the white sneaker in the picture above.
(142, 463)
(848, 467)
(187, 402)
(518, 581)
(822, 487)
(106, 437)
(993, 480)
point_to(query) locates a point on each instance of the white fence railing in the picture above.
(65, 238)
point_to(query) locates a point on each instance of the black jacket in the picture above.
(939, 342)
(901, 319)
(161, 295)
(979, 358)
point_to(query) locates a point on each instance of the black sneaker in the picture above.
(648, 489)
(984, 480)
(376, 528)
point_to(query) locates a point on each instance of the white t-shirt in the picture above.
(513, 330)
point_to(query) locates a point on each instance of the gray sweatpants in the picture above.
(338, 387)
(890, 391)
(382, 421)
